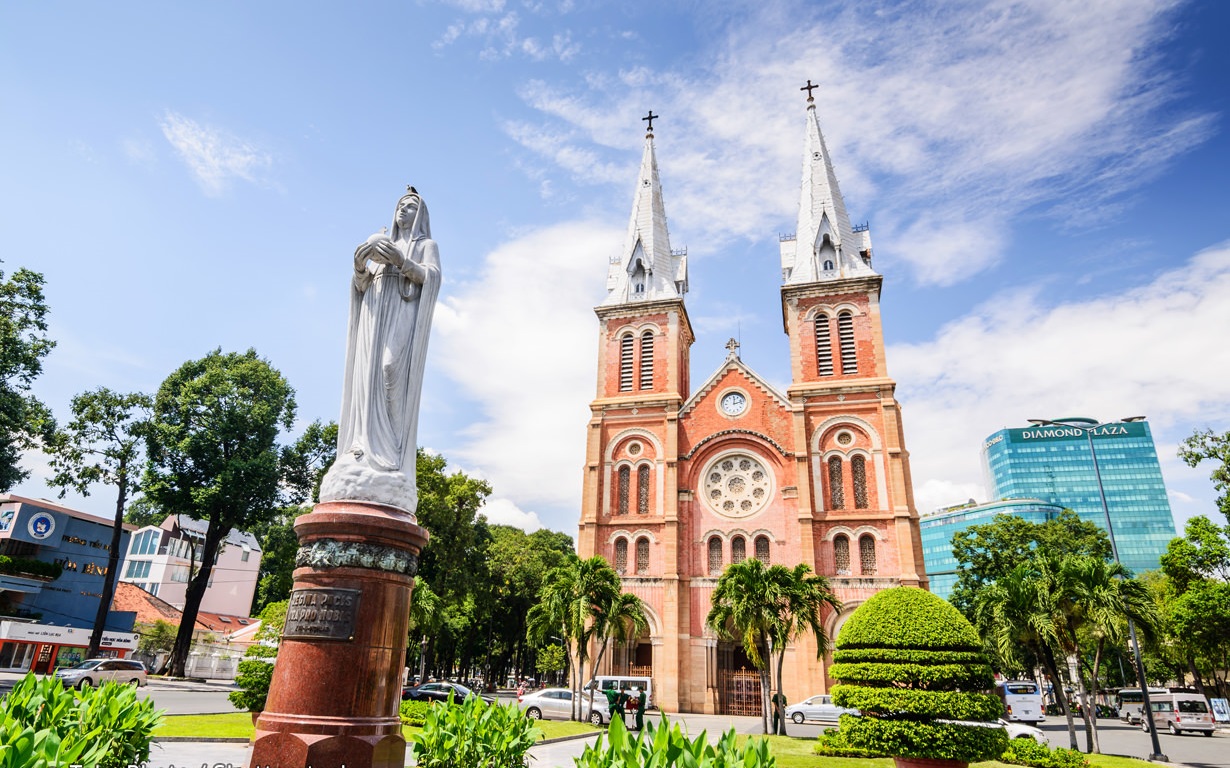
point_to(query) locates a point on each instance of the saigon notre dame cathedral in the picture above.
(682, 481)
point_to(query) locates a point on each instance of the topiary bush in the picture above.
(913, 666)
(414, 713)
(1031, 753)
(833, 743)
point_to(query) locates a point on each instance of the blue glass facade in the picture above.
(1054, 464)
(938, 529)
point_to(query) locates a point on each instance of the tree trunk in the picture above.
(1061, 697)
(593, 669)
(1093, 693)
(113, 562)
(766, 662)
(781, 720)
(192, 599)
(1090, 718)
(1191, 667)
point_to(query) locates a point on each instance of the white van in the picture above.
(623, 683)
(1179, 712)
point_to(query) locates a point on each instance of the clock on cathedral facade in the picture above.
(681, 482)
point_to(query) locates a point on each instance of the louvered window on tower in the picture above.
(621, 556)
(837, 493)
(625, 478)
(738, 549)
(625, 363)
(642, 489)
(647, 360)
(845, 332)
(858, 471)
(762, 549)
(841, 555)
(867, 554)
(715, 556)
(642, 556)
(824, 346)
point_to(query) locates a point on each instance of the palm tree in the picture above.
(425, 616)
(1097, 595)
(807, 594)
(764, 608)
(1017, 613)
(620, 620)
(570, 602)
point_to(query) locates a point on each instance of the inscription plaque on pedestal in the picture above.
(321, 614)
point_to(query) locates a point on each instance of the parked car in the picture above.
(556, 703)
(1023, 731)
(439, 692)
(99, 671)
(819, 708)
(1179, 712)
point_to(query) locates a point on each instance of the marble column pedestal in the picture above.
(337, 681)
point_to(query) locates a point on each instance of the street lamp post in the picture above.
(1088, 428)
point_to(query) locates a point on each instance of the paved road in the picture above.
(1120, 739)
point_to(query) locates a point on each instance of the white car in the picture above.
(99, 671)
(1023, 731)
(819, 708)
(556, 704)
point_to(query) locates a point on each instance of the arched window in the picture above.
(625, 478)
(837, 491)
(824, 346)
(845, 334)
(738, 549)
(867, 554)
(642, 556)
(762, 549)
(858, 471)
(621, 556)
(642, 489)
(647, 360)
(715, 556)
(841, 554)
(626, 343)
(828, 266)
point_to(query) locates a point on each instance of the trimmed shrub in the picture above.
(42, 723)
(832, 742)
(665, 745)
(473, 734)
(21, 566)
(913, 665)
(1031, 753)
(254, 678)
(414, 712)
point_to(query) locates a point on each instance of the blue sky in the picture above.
(1045, 182)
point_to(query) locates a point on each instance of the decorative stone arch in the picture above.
(656, 463)
(855, 533)
(846, 306)
(819, 461)
(835, 621)
(709, 534)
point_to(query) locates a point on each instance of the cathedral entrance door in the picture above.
(738, 683)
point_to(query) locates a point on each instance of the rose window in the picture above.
(737, 485)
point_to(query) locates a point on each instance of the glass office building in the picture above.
(1053, 463)
(939, 527)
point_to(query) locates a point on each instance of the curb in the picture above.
(201, 739)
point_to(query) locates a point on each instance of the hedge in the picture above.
(19, 566)
(908, 617)
(898, 702)
(1031, 753)
(413, 712)
(912, 664)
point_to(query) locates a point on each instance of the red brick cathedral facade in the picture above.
(680, 483)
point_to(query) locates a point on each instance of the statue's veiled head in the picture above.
(410, 217)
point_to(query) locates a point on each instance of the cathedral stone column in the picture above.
(337, 683)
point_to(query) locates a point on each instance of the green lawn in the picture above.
(793, 752)
(239, 725)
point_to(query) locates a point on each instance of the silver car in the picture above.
(819, 708)
(99, 671)
(556, 704)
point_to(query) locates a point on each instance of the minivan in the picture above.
(1180, 712)
(623, 683)
(99, 671)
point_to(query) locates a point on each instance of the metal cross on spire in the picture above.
(651, 117)
(809, 88)
(732, 347)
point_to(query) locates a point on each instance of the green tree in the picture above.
(570, 603)
(142, 512)
(213, 455)
(448, 509)
(622, 619)
(984, 553)
(1196, 601)
(101, 444)
(24, 420)
(1205, 445)
(156, 637)
(550, 660)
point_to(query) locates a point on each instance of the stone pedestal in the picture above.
(337, 681)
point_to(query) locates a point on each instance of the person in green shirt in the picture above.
(640, 708)
(779, 713)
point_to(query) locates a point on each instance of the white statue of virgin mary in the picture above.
(392, 296)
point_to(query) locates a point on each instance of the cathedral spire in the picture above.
(647, 269)
(825, 245)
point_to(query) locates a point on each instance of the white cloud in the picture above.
(214, 156)
(502, 511)
(962, 116)
(520, 341)
(1145, 351)
(501, 36)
